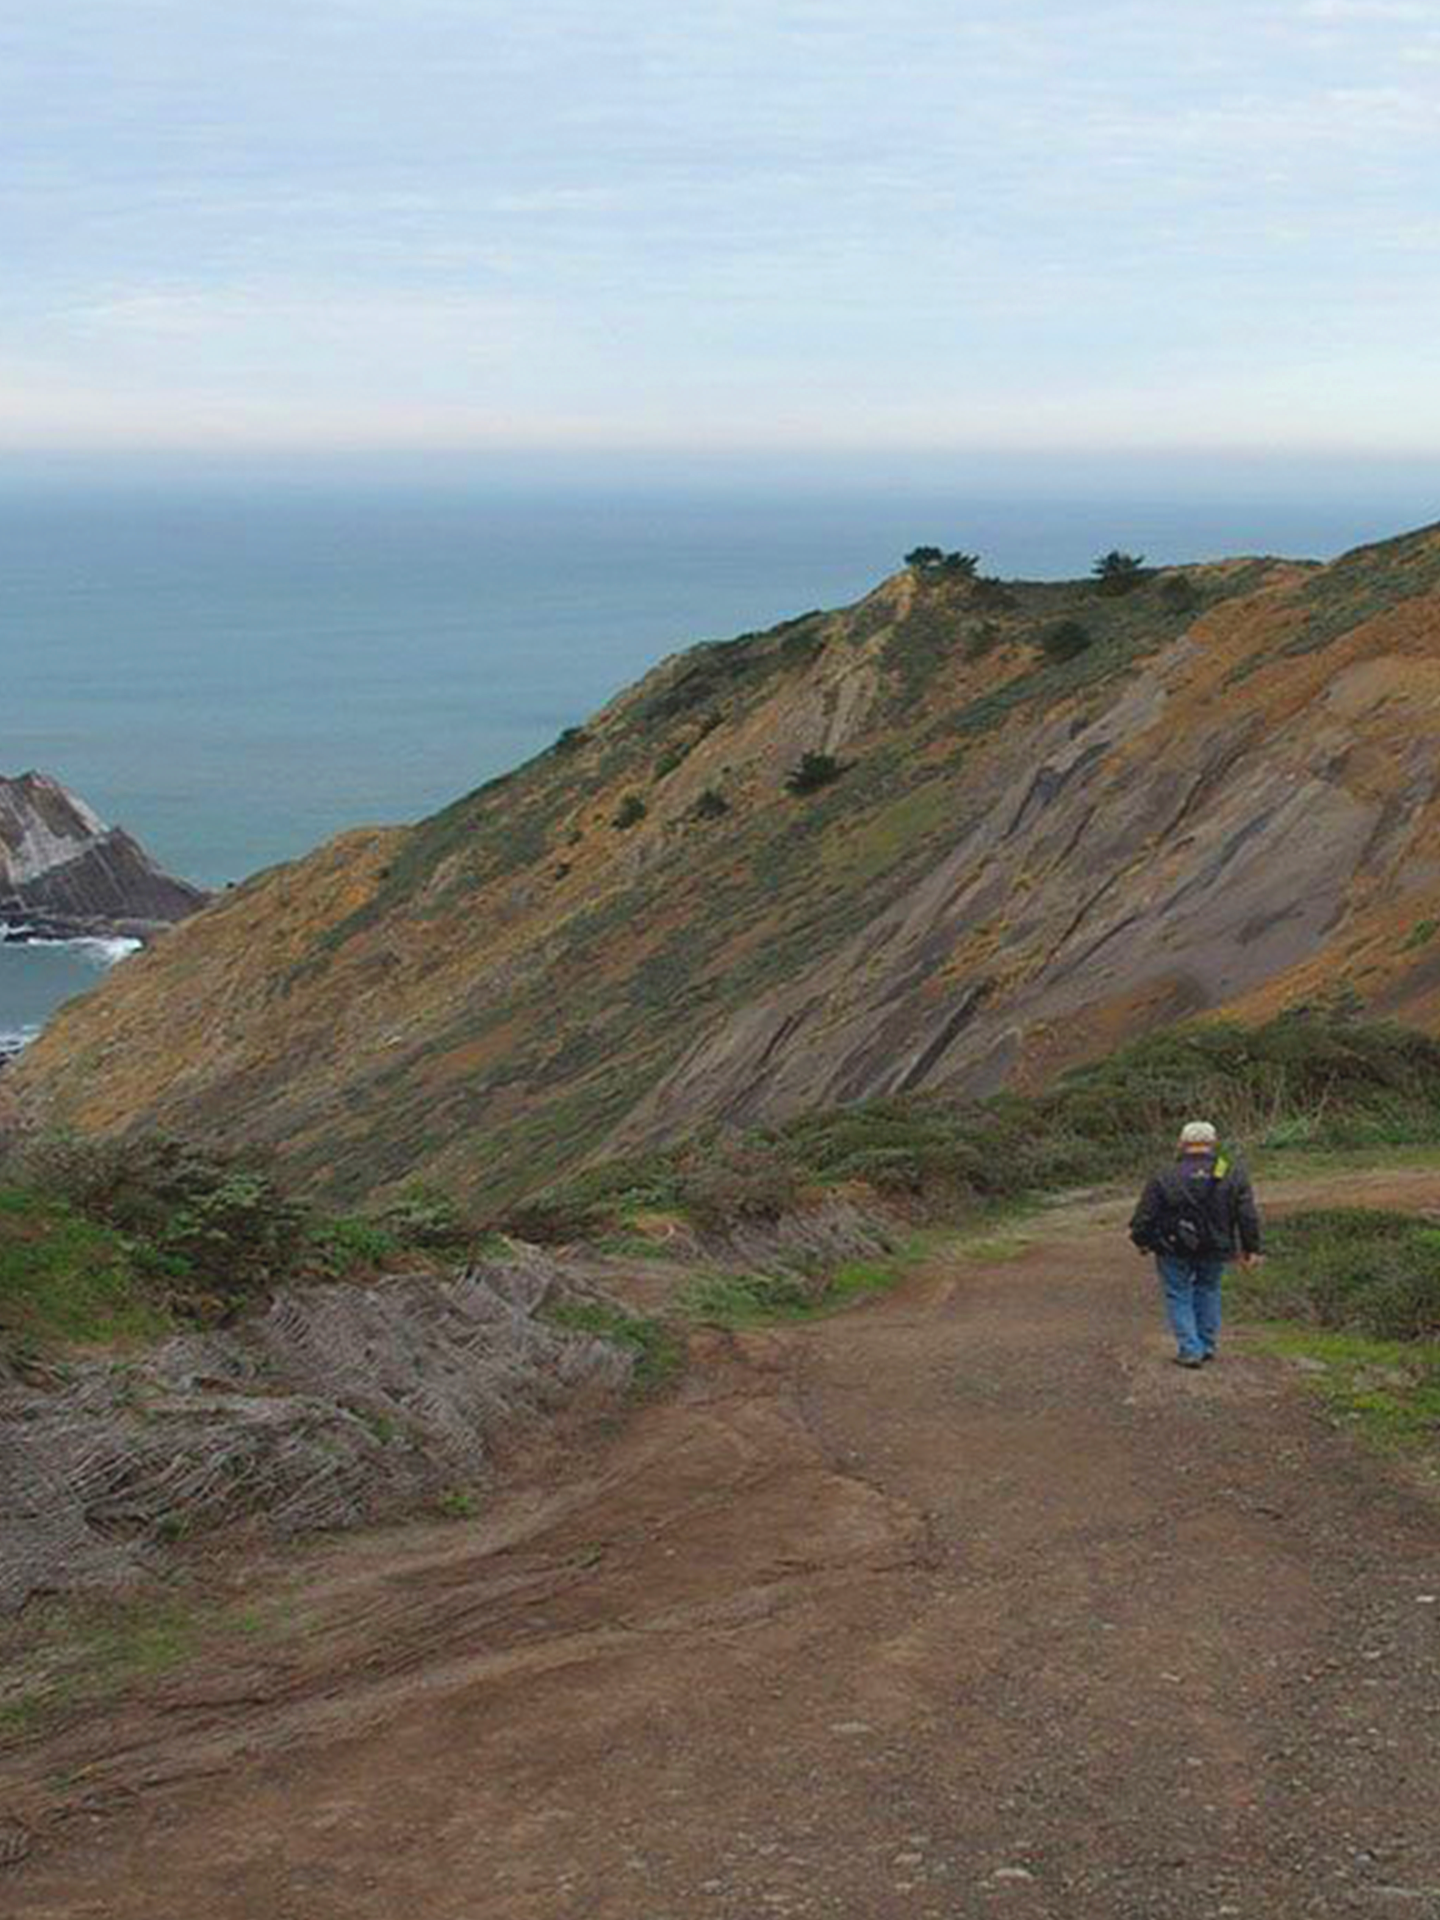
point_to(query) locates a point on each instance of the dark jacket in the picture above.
(1200, 1208)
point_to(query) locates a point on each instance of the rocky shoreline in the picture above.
(21, 926)
(68, 879)
(65, 875)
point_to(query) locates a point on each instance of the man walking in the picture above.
(1194, 1217)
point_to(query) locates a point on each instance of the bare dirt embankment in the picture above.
(965, 1603)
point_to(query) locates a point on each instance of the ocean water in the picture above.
(236, 669)
(34, 980)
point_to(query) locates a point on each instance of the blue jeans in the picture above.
(1192, 1301)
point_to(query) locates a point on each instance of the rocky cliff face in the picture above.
(63, 872)
(1061, 817)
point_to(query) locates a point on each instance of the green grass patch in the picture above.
(656, 1350)
(108, 1241)
(746, 1300)
(632, 1246)
(1388, 1389)
(1353, 1294)
(64, 1281)
(1305, 1161)
(749, 1299)
(994, 1248)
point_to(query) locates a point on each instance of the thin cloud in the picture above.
(341, 218)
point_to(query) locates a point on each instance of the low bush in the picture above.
(736, 1180)
(1179, 594)
(629, 813)
(171, 1232)
(216, 1225)
(1066, 640)
(424, 1217)
(1309, 1078)
(350, 1242)
(1352, 1269)
(813, 771)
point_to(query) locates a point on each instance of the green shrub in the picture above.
(1306, 1078)
(737, 1179)
(1119, 572)
(423, 1216)
(813, 771)
(982, 640)
(935, 561)
(1066, 640)
(748, 1299)
(1420, 935)
(204, 1231)
(1352, 1269)
(711, 805)
(629, 813)
(350, 1243)
(216, 1223)
(1179, 594)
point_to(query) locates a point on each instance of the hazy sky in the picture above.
(792, 223)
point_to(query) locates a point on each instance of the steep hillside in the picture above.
(1216, 788)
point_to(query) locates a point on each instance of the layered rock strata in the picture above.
(65, 875)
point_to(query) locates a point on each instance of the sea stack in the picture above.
(65, 875)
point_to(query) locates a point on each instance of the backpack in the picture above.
(1193, 1230)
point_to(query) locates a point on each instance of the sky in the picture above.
(756, 225)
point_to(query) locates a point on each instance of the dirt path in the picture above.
(967, 1603)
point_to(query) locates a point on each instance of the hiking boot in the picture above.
(1189, 1360)
(1206, 1358)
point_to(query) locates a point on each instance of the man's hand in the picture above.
(1252, 1259)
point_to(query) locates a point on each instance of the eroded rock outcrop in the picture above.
(64, 874)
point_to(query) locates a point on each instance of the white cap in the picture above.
(1198, 1133)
